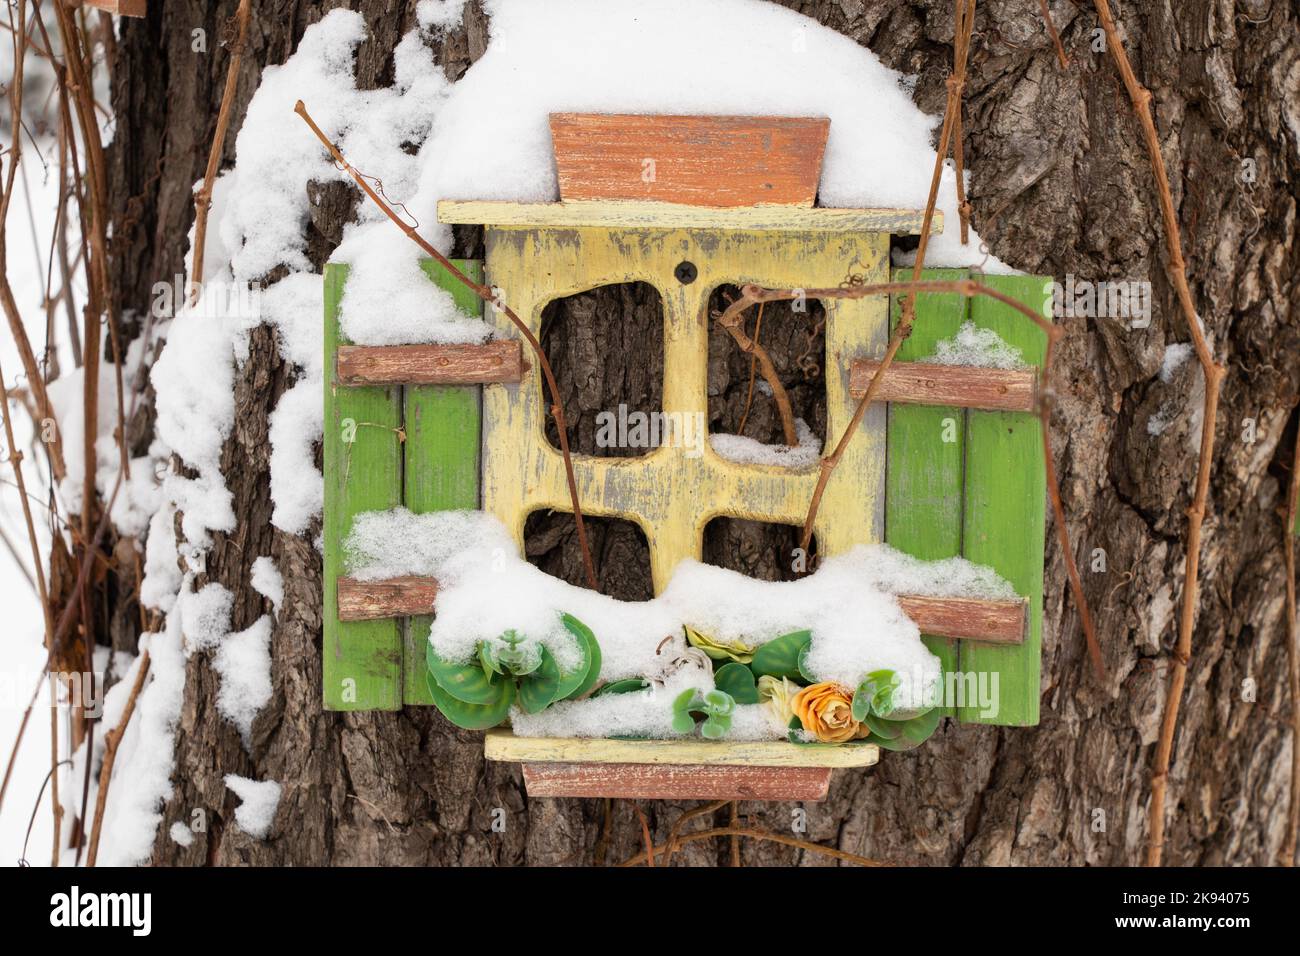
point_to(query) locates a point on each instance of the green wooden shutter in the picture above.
(379, 665)
(981, 494)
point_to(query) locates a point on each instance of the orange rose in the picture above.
(826, 712)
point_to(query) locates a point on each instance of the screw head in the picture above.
(686, 272)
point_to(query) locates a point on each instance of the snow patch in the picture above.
(244, 662)
(749, 451)
(983, 348)
(256, 812)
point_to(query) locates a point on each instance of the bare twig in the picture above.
(751, 294)
(486, 294)
(753, 834)
(203, 199)
(753, 369)
(22, 729)
(16, 460)
(649, 855)
(112, 740)
(1055, 35)
(1140, 97)
(734, 323)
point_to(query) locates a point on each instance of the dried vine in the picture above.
(1140, 97)
(203, 198)
(486, 294)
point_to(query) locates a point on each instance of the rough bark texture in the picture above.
(1060, 186)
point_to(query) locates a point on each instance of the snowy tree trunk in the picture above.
(1061, 185)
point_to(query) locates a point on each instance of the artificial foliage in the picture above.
(478, 694)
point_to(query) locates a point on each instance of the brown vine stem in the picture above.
(649, 854)
(16, 461)
(734, 323)
(751, 294)
(486, 294)
(1056, 38)
(1140, 97)
(753, 834)
(753, 368)
(112, 740)
(1293, 658)
(203, 200)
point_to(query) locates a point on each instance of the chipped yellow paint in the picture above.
(630, 214)
(673, 491)
(501, 744)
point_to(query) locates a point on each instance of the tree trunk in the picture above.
(1061, 185)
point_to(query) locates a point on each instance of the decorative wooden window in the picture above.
(949, 463)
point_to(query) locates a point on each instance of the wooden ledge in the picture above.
(963, 386)
(631, 214)
(486, 364)
(500, 743)
(992, 622)
(636, 781)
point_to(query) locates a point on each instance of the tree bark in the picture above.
(1061, 186)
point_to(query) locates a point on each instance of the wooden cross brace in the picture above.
(674, 490)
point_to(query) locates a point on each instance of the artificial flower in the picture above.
(826, 712)
(720, 650)
(778, 693)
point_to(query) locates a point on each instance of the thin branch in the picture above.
(734, 323)
(203, 199)
(753, 374)
(112, 740)
(486, 294)
(16, 461)
(1055, 35)
(764, 835)
(751, 294)
(1214, 375)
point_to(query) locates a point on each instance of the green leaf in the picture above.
(779, 657)
(584, 677)
(803, 664)
(473, 716)
(465, 682)
(487, 658)
(861, 702)
(913, 732)
(738, 681)
(626, 686)
(715, 727)
(888, 729)
(538, 689)
(737, 651)
(683, 722)
(718, 703)
(879, 687)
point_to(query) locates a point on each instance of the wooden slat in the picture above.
(990, 622)
(962, 386)
(924, 460)
(696, 160)
(125, 8)
(997, 622)
(1005, 513)
(629, 214)
(501, 744)
(442, 454)
(362, 657)
(634, 781)
(391, 597)
(491, 362)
